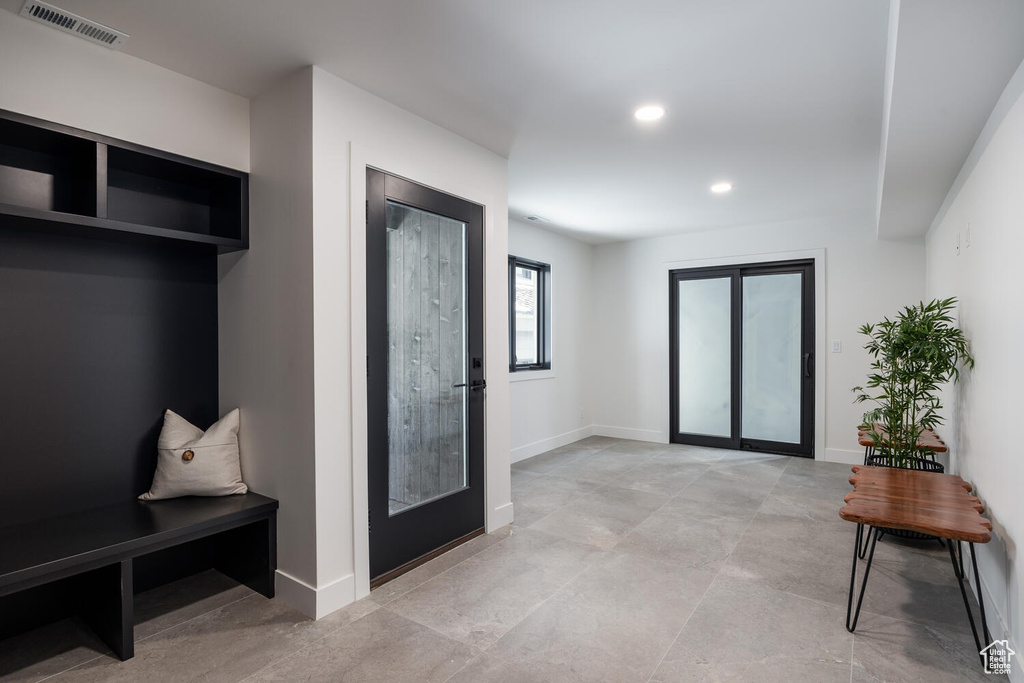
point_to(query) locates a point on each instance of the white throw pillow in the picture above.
(191, 462)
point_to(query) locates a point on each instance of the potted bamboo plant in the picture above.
(913, 355)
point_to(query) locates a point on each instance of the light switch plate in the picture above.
(837, 346)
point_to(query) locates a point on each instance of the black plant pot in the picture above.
(928, 464)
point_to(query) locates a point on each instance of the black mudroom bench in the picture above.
(96, 550)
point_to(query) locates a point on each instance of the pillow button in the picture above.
(188, 455)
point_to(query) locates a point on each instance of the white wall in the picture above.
(864, 279)
(546, 404)
(55, 76)
(985, 409)
(351, 130)
(294, 312)
(266, 328)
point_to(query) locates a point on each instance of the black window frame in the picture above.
(543, 271)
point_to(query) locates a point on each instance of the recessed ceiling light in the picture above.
(537, 219)
(649, 113)
(721, 188)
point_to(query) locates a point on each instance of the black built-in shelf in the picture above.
(108, 316)
(60, 179)
(45, 170)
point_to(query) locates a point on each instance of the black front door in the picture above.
(425, 380)
(742, 357)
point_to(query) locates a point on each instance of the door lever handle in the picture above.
(478, 384)
(808, 364)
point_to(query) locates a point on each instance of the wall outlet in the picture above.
(581, 415)
(837, 346)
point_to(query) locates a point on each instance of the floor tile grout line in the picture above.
(463, 667)
(745, 528)
(599, 487)
(679, 495)
(431, 578)
(853, 642)
(717, 574)
(188, 621)
(386, 606)
(495, 545)
(465, 559)
(306, 646)
(72, 668)
(575, 460)
(486, 650)
(944, 628)
(653, 512)
(151, 635)
(671, 497)
(536, 607)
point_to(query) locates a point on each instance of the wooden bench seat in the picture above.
(929, 503)
(99, 545)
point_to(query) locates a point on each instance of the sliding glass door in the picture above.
(742, 364)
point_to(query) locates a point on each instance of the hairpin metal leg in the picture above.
(878, 533)
(959, 572)
(981, 598)
(957, 551)
(960, 554)
(873, 533)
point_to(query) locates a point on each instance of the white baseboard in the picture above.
(335, 595)
(297, 593)
(997, 626)
(844, 455)
(651, 435)
(315, 603)
(499, 517)
(545, 445)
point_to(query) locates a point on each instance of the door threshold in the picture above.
(423, 559)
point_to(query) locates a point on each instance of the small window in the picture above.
(529, 308)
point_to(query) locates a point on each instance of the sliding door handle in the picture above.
(808, 364)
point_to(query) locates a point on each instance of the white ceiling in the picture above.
(952, 60)
(783, 98)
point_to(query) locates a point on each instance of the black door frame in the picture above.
(400, 542)
(736, 273)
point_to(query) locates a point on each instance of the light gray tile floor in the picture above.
(628, 561)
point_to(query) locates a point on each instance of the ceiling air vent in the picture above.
(74, 24)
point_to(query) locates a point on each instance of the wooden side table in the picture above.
(928, 443)
(926, 502)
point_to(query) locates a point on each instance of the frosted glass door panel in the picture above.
(427, 356)
(705, 399)
(771, 357)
